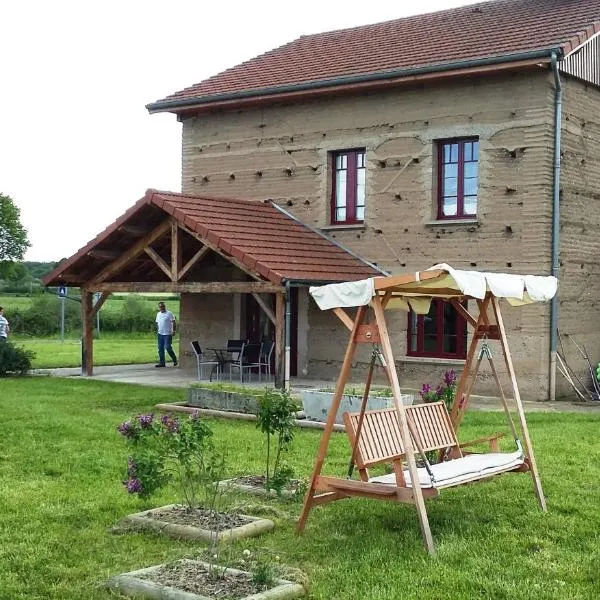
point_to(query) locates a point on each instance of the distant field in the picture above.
(108, 350)
(113, 304)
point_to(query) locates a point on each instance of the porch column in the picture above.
(87, 332)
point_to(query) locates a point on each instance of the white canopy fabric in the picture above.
(417, 294)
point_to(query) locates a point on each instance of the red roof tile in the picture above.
(259, 235)
(501, 28)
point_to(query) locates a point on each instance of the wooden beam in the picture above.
(537, 484)
(87, 333)
(196, 258)
(159, 261)
(461, 310)
(335, 404)
(228, 257)
(101, 300)
(386, 283)
(133, 230)
(212, 287)
(104, 254)
(417, 491)
(130, 254)
(425, 291)
(344, 317)
(175, 251)
(265, 308)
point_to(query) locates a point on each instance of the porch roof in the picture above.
(261, 239)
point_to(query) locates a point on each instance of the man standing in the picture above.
(166, 327)
(4, 328)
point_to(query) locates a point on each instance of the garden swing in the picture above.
(396, 435)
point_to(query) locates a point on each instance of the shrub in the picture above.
(275, 418)
(172, 450)
(14, 360)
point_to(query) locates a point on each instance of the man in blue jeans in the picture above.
(166, 326)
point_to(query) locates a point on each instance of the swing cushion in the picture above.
(460, 470)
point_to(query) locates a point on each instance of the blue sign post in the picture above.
(62, 294)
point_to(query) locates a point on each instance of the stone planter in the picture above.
(316, 404)
(146, 521)
(136, 583)
(222, 400)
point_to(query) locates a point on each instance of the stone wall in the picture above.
(282, 153)
(579, 314)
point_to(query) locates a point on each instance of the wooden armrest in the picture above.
(492, 439)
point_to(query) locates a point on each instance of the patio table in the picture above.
(223, 357)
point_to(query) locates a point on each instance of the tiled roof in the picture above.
(500, 28)
(257, 234)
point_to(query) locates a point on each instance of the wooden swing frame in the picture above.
(488, 325)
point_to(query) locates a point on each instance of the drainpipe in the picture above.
(555, 222)
(288, 336)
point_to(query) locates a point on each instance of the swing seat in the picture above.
(381, 442)
(471, 467)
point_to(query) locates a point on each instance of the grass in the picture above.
(60, 491)
(110, 349)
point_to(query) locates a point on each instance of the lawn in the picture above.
(60, 491)
(110, 349)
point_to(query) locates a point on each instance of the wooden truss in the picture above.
(175, 270)
(488, 325)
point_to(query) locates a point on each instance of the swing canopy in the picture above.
(439, 281)
(395, 435)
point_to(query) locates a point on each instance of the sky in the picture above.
(77, 145)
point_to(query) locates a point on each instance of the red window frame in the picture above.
(460, 183)
(419, 335)
(354, 158)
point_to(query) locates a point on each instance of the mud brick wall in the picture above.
(579, 293)
(283, 152)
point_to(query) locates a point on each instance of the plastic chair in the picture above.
(213, 364)
(248, 359)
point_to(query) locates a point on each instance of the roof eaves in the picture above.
(173, 105)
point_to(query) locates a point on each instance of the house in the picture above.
(469, 136)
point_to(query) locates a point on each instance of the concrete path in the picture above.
(177, 377)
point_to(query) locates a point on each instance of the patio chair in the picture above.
(264, 359)
(235, 348)
(213, 364)
(248, 359)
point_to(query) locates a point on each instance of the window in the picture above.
(348, 187)
(441, 333)
(458, 178)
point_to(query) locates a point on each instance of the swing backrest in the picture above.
(380, 438)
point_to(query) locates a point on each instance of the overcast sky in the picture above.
(77, 146)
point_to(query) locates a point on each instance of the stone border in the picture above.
(131, 584)
(232, 484)
(142, 521)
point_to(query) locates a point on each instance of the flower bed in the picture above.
(196, 580)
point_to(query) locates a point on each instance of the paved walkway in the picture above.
(178, 378)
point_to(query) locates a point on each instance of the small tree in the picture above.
(13, 236)
(275, 418)
(170, 450)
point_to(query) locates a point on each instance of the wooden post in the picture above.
(537, 484)
(87, 332)
(403, 422)
(279, 339)
(175, 251)
(335, 404)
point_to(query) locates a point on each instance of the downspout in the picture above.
(288, 337)
(555, 223)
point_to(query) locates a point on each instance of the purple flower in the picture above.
(133, 485)
(450, 378)
(171, 425)
(425, 389)
(146, 421)
(127, 429)
(439, 390)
